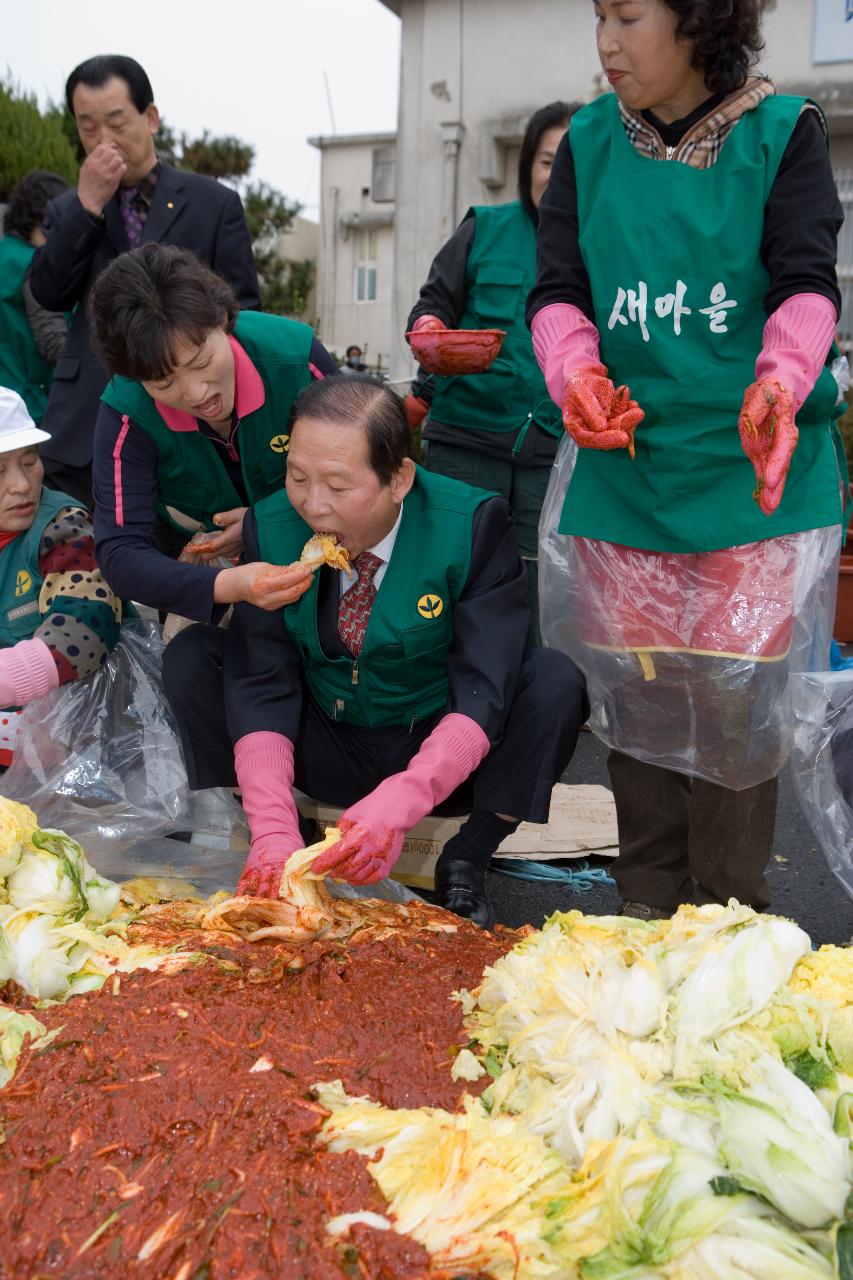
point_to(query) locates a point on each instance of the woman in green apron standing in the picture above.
(683, 313)
(497, 430)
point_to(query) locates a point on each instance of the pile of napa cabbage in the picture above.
(62, 925)
(667, 1099)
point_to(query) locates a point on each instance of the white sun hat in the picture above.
(17, 429)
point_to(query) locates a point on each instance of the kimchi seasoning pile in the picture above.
(168, 1130)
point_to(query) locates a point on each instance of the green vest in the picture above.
(192, 483)
(500, 273)
(22, 368)
(401, 673)
(20, 580)
(673, 256)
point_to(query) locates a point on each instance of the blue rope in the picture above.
(580, 877)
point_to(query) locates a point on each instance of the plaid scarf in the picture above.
(700, 146)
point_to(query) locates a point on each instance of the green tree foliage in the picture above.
(31, 139)
(35, 139)
(218, 157)
(285, 285)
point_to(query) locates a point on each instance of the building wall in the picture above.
(300, 243)
(354, 226)
(472, 71)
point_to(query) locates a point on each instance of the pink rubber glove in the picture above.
(428, 322)
(264, 767)
(598, 415)
(375, 828)
(564, 341)
(795, 342)
(27, 671)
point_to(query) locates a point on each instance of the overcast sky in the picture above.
(252, 68)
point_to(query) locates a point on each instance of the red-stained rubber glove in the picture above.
(416, 410)
(428, 322)
(375, 828)
(794, 346)
(768, 436)
(264, 766)
(598, 415)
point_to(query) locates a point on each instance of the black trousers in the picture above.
(340, 763)
(682, 839)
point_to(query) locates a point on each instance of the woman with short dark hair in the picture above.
(192, 430)
(498, 429)
(31, 337)
(687, 249)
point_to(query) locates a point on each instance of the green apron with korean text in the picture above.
(673, 256)
(192, 483)
(401, 673)
(500, 272)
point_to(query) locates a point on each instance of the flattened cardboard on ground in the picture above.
(582, 824)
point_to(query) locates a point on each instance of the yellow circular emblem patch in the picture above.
(280, 444)
(430, 606)
(23, 583)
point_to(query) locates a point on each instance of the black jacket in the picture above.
(187, 210)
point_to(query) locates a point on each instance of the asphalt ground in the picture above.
(802, 886)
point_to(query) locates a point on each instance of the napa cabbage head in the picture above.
(54, 877)
(45, 960)
(7, 951)
(778, 1140)
(15, 1026)
(17, 824)
(733, 978)
(659, 1201)
(479, 1194)
(754, 1247)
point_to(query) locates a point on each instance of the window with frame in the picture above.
(365, 266)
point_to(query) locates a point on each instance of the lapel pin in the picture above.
(169, 204)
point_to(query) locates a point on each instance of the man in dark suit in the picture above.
(393, 688)
(125, 197)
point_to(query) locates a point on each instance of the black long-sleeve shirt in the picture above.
(444, 294)
(801, 222)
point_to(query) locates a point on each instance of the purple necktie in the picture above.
(355, 606)
(130, 216)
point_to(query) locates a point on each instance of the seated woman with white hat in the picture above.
(58, 617)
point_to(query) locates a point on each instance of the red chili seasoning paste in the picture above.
(167, 1132)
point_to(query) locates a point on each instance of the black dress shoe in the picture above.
(461, 888)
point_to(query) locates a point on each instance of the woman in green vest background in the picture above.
(687, 251)
(192, 429)
(31, 338)
(58, 618)
(499, 429)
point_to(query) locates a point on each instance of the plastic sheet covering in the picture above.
(688, 658)
(100, 758)
(822, 763)
(208, 867)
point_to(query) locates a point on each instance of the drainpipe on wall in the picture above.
(451, 141)
(331, 290)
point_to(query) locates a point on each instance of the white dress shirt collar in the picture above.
(383, 550)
